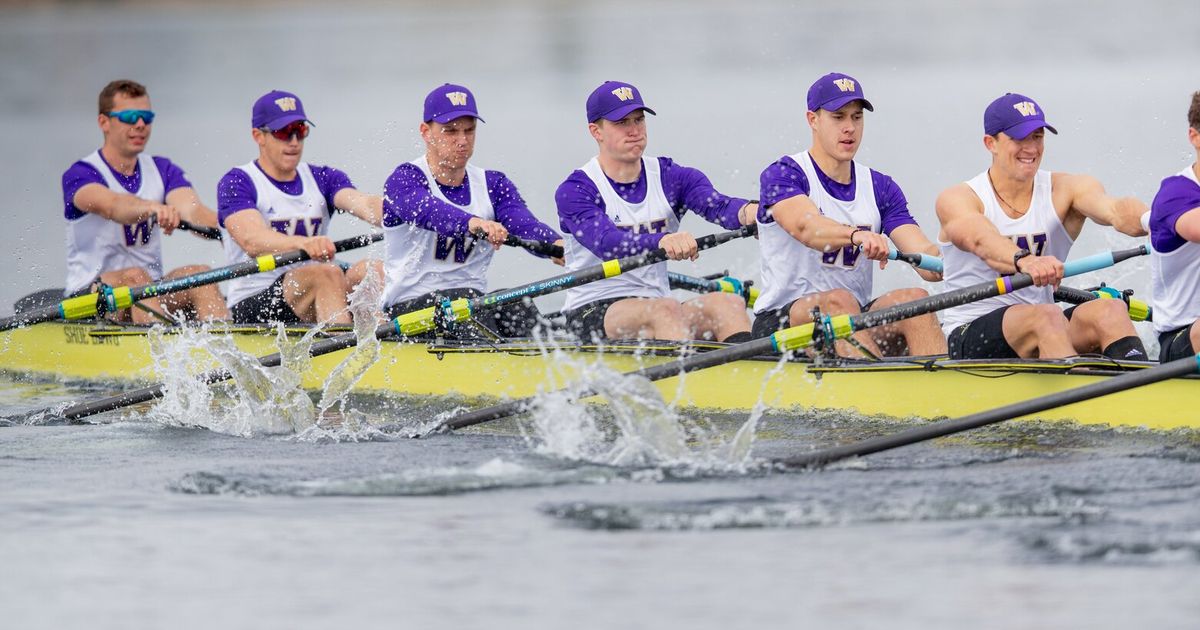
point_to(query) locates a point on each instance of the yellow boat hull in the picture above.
(926, 390)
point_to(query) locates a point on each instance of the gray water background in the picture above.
(133, 524)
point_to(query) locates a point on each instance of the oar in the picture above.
(921, 261)
(1111, 385)
(416, 322)
(207, 232)
(827, 330)
(1139, 311)
(116, 298)
(536, 247)
(720, 284)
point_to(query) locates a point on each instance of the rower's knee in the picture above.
(900, 296)
(723, 304)
(840, 302)
(318, 277)
(1041, 320)
(1105, 315)
(135, 276)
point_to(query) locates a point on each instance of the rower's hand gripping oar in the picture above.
(1139, 311)
(720, 284)
(115, 298)
(827, 330)
(1112, 385)
(412, 323)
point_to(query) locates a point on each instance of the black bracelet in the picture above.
(852, 233)
(1020, 253)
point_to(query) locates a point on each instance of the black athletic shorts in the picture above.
(982, 338)
(587, 321)
(767, 323)
(510, 320)
(1175, 344)
(266, 306)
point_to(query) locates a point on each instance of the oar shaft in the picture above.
(1110, 385)
(122, 297)
(920, 261)
(207, 232)
(537, 247)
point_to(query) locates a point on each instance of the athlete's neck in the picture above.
(446, 174)
(835, 169)
(1015, 195)
(120, 162)
(620, 171)
(1196, 166)
(274, 171)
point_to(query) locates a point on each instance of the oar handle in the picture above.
(536, 247)
(920, 261)
(460, 310)
(1139, 311)
(1102, 260)
(207, 232)
(718, 284)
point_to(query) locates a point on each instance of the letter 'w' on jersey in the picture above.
(461, 245)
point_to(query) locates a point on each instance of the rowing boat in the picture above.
(921, 388)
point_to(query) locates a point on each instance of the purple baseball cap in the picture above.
(832, 91)
(614, 100)
(449, 102)
(277, 109)
(1016, 115)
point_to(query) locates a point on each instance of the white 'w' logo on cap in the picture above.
(623, 93)
(457, 98)
(286, 104)
(1026, 108)
(845, 85)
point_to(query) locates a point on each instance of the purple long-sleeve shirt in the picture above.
(81, 174)
(236, 191)
(784, 179)
(408, 199)
(581, 210)
(1176, 197)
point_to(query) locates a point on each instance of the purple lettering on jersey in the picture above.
(138, 233)
(315, 223)
(1038, 240)
(300, 229)
(283, 226)
(459, 244)
(848, 254)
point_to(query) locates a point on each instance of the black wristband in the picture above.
(852, 233)
(1020, 253)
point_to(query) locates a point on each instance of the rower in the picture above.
(823, 221)
(278, 203)
(1016, 218)
(620, 204)
(436, 209)
(117, 199)
(1174, 224)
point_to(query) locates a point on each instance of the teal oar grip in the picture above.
(1099, 261)
(920, 261)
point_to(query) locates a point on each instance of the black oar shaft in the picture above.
(537, 247)
(1111, 385)
(207, 232)
(88, 305)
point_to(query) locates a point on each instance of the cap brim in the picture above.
(1021, 131)
(283, 121)
(835, 104)
(625, 110)
(455, 115)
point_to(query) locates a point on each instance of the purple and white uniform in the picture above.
(95, 244)
(428, 247)
(1174, 260)
(1039, 230)
(602, 220)
(301, 207)
(791, 269)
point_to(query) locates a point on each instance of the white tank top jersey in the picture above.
(96, 244)
(420, 261)
(1039, 230)
(791, 269)
(1176, 282)
(305, 214)
(653, 215)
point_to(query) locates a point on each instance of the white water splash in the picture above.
(365, 302)
(636, 427)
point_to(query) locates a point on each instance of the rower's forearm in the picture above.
(269, 242)
(821, 233)
(128, 210)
